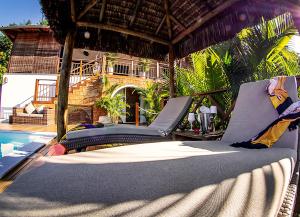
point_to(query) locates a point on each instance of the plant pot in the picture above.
(143, 74)
(104, 120)
(110, 70)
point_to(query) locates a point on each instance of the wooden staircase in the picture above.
(86, 91)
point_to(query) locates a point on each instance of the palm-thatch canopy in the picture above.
(150, 28)
(144, 28)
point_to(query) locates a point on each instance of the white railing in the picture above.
(129, 67)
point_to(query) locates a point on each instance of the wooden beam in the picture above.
(124, 31)
(177, 21)
(137, 5)
(73, 11)
(102, 11)
(166, 5)
(101, 15)
(203, 20)
(63, 89)
(160, 25)
(171, 71)
(87, 8)
(175, 3)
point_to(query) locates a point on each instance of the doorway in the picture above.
(132, 97)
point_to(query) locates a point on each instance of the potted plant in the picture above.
(110, 60)
(114, 105)
(144, 66)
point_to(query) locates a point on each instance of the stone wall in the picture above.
(128, 80)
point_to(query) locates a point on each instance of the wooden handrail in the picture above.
(44, 92)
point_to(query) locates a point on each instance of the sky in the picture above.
(18, 11)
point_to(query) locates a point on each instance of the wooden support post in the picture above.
(80, 70)
(171, 71)
(63, 92)
(132, 68)
(56, 85)
(103, 68)
(157, 70)
(137, 114)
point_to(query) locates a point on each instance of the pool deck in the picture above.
(26, 127)
(30, 128)
(9, 177)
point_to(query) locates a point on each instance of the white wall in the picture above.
(19, 88)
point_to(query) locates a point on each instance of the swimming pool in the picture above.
(11, 141)
(16, 146)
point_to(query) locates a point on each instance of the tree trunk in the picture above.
(63, 92)
(171, 71)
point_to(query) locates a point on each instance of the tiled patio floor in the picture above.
(30, 128)
(26, 127)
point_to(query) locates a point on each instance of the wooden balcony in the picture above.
(119, 66)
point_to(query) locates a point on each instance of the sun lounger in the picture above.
(167, 121)
(178, 178)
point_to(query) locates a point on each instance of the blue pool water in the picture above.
(11, 141)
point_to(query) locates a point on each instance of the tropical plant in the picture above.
(256, 53)
(144, 64)
(5, 49)
(114, 105)
(153, 96)
(110, 59)
(260, 52)
(44, 22)
(205, 74)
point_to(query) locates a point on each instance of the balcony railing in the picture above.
(119, 66)
(129, 67)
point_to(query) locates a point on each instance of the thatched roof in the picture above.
(12, 31)
(145, 28)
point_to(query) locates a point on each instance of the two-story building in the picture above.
(34, 69)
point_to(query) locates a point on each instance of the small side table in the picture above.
(190, 135)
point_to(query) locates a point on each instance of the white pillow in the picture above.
(40, 109)
(29, 108)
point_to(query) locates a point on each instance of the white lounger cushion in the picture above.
(172, 114)
(114, 130)
(167, 179)
(254, 111)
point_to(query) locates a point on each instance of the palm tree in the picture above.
(152, 95)
(260, 52)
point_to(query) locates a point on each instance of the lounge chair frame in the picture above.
(289, 206)
(80, 144)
